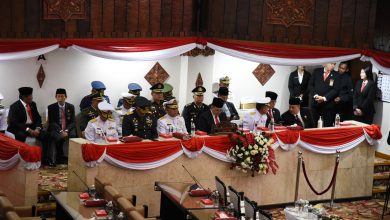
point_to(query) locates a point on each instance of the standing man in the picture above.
(228, 107)
(297, 115)
(192, 110)
(260, 117)
(102, 129)
(3, 116)
(344, 100)
(167, 91)
(298, 85)
(323, 89)
(141, 122)
(62, 126)
(172, 121)
(134, 89)
(273, 112)
(213, 117)
(97, 87)
(24, 119)
(157, 100)
(91, 112)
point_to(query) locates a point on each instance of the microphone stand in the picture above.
(197, 182)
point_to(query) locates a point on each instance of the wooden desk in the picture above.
(68, 207)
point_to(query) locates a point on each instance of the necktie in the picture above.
(299, 122)
(363, 85)
(270, 113)
(28, 107)
(63, 119)
(326, 75)
(216, 119)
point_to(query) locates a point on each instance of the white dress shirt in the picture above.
(29, 120)
(177, 123)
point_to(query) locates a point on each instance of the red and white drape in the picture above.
(139, 49)
(13, 151)
(149, 155)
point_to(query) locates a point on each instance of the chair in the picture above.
(16, 212)
(221, 187)
(126, 207)
(111, 194)
(134, 215)
(254, 212)
(12, 215)
(235, 199)
(100, 183)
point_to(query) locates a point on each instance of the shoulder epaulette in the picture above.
(189, 104)
(162, 117)
(111, 119)
(129, 113)
(252, 113)
(93, 120)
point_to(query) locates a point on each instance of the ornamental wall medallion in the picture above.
(65, 9)
(156, 75)
(199, 80)
(263, 73)
(289, 12)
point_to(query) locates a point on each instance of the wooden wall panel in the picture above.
(341, 23)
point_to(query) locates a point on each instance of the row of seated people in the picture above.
(250, 210)
(127, 206)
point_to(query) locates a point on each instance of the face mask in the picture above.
(106, 114)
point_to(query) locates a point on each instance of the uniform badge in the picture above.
(149, 122)
(331, 82)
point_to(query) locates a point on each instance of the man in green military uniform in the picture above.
(167, 91)
(157, 100)
(192, 110)
(91, 112)
(140, 122)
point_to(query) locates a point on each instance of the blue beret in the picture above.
(97, 85)
(134, 86)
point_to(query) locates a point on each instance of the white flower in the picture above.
(265, 171)
(256, 147)
(261, 142)
(250, 147)
(261, 166)
(239, 155)
(253, 152)
(246, 153)
(248, 159)
(244, 171)
(238, 168)
(243, 148)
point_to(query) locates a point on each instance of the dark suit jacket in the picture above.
(276, 114)
(364, 100)
(233, 112)
(206, 121)
(325, 88)
(296, 88)
(17, 117)
(54, 119)
(289, 119)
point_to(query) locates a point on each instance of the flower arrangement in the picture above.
(252, 152)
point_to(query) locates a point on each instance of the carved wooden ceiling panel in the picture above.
(65, 9)
(290, 12)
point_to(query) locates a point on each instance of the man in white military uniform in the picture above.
(102, 129)
(3, 116)
(172, 120)
(259, 118)
(124, 109)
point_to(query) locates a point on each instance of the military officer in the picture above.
(171, 122)
(3, 116)
(223, 82)
(258, 118)
(140, 122)
(157, 100)
(97, 87)
(192, 110)
(91, 112)
(126, 108)
(134, 89)
(102, 129)
(167, 91)
(273, 112)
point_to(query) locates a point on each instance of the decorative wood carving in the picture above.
(199, 80)
(289, 12)
(156, 75)
(41, 76)
(263, 73)
(64, 9)
(207, 51)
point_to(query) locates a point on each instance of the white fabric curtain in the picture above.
(28, 53)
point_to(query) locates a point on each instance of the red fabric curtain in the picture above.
(130, 45)
(331, 137)
(218, 143)
(9, 147)
(287, 136)
(382, 58)
(9, 46)
(282, 50)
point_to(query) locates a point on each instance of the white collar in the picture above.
(24, 104)
(61, 106)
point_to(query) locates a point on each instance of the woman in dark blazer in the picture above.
(363, 97)
(298, 85)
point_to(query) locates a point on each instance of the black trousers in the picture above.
(43, 138)
(56, 150)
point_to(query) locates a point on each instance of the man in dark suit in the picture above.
(298, 85)
(343, 101)
(323, 89)
(213, 117)
(228, 107)
(273, 112)
(297, 115)
(62, 126)
(24, 119)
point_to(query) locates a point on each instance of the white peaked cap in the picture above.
(264, 100)
(105, 106)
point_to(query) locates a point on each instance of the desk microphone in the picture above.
(207, 192)
(81, 180)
